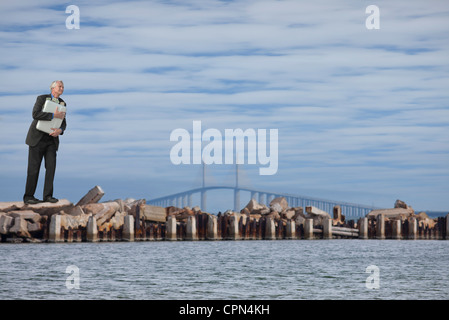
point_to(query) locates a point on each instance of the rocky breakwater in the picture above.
(134, 220)
(255, 222)
(86, 220)
(402, 222)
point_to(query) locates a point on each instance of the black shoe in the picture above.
(32, 201)
(51, 199)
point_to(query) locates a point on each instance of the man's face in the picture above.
(59, 89)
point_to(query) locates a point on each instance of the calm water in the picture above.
(290, 269)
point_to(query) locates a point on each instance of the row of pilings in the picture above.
(203, 226)
(135, 220)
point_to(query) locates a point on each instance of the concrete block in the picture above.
(54, 233)
(92, 230)
(291, 229)
(234, 228)
(128, 228)
(170, 230)
(93, 196)
(396, 229)
(327, 228)
(191, 230)
(412, 228)
(270, 229)
(212, 228)
(380, 227)
(20, 227)
(363, 228)
(6, 223)
(308, 229)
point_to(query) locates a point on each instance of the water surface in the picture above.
(280, 269)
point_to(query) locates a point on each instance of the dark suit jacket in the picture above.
(34, 135)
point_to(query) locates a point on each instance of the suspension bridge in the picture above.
(185, 198)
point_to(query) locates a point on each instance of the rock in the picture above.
(118, 220)
(253, 205)
(76, 211)
(317, 215)
(279, 204)
(299, 216)
(101, 211)
(48, 208)
(153, 213)
(13, 205)
(288, 214)
(400, 204)
(26, 214)
(273, 215)
(424, 220)
(6, 223)
(74, 222)
(113, 208)
(20, 227)
(396, 213)
(34, 226)
(92, 196)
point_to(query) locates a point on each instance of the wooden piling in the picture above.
(380, 227)
(170, 229)
(396, 229)
(290, 229)
(54, 234)
(308, 229)
(270, 229)
(363, 228)
(128, 228)
(327, 228)
(234, 228)
(412, 228)
(92, 230)
(212, 228)
(191, 231)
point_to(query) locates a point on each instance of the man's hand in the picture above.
(56, 132)
(59, 114)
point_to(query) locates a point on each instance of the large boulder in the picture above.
(26, 214)
(317, 215)
(279, 204)
(20, 227)
(253, 207)
(6, 223)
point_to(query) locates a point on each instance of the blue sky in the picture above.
(362, 114)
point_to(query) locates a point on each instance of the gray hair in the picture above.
(53, 84)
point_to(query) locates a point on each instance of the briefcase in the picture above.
(46, 125)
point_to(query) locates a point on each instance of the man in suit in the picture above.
(44, 146)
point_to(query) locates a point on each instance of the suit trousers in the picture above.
(45, 149)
